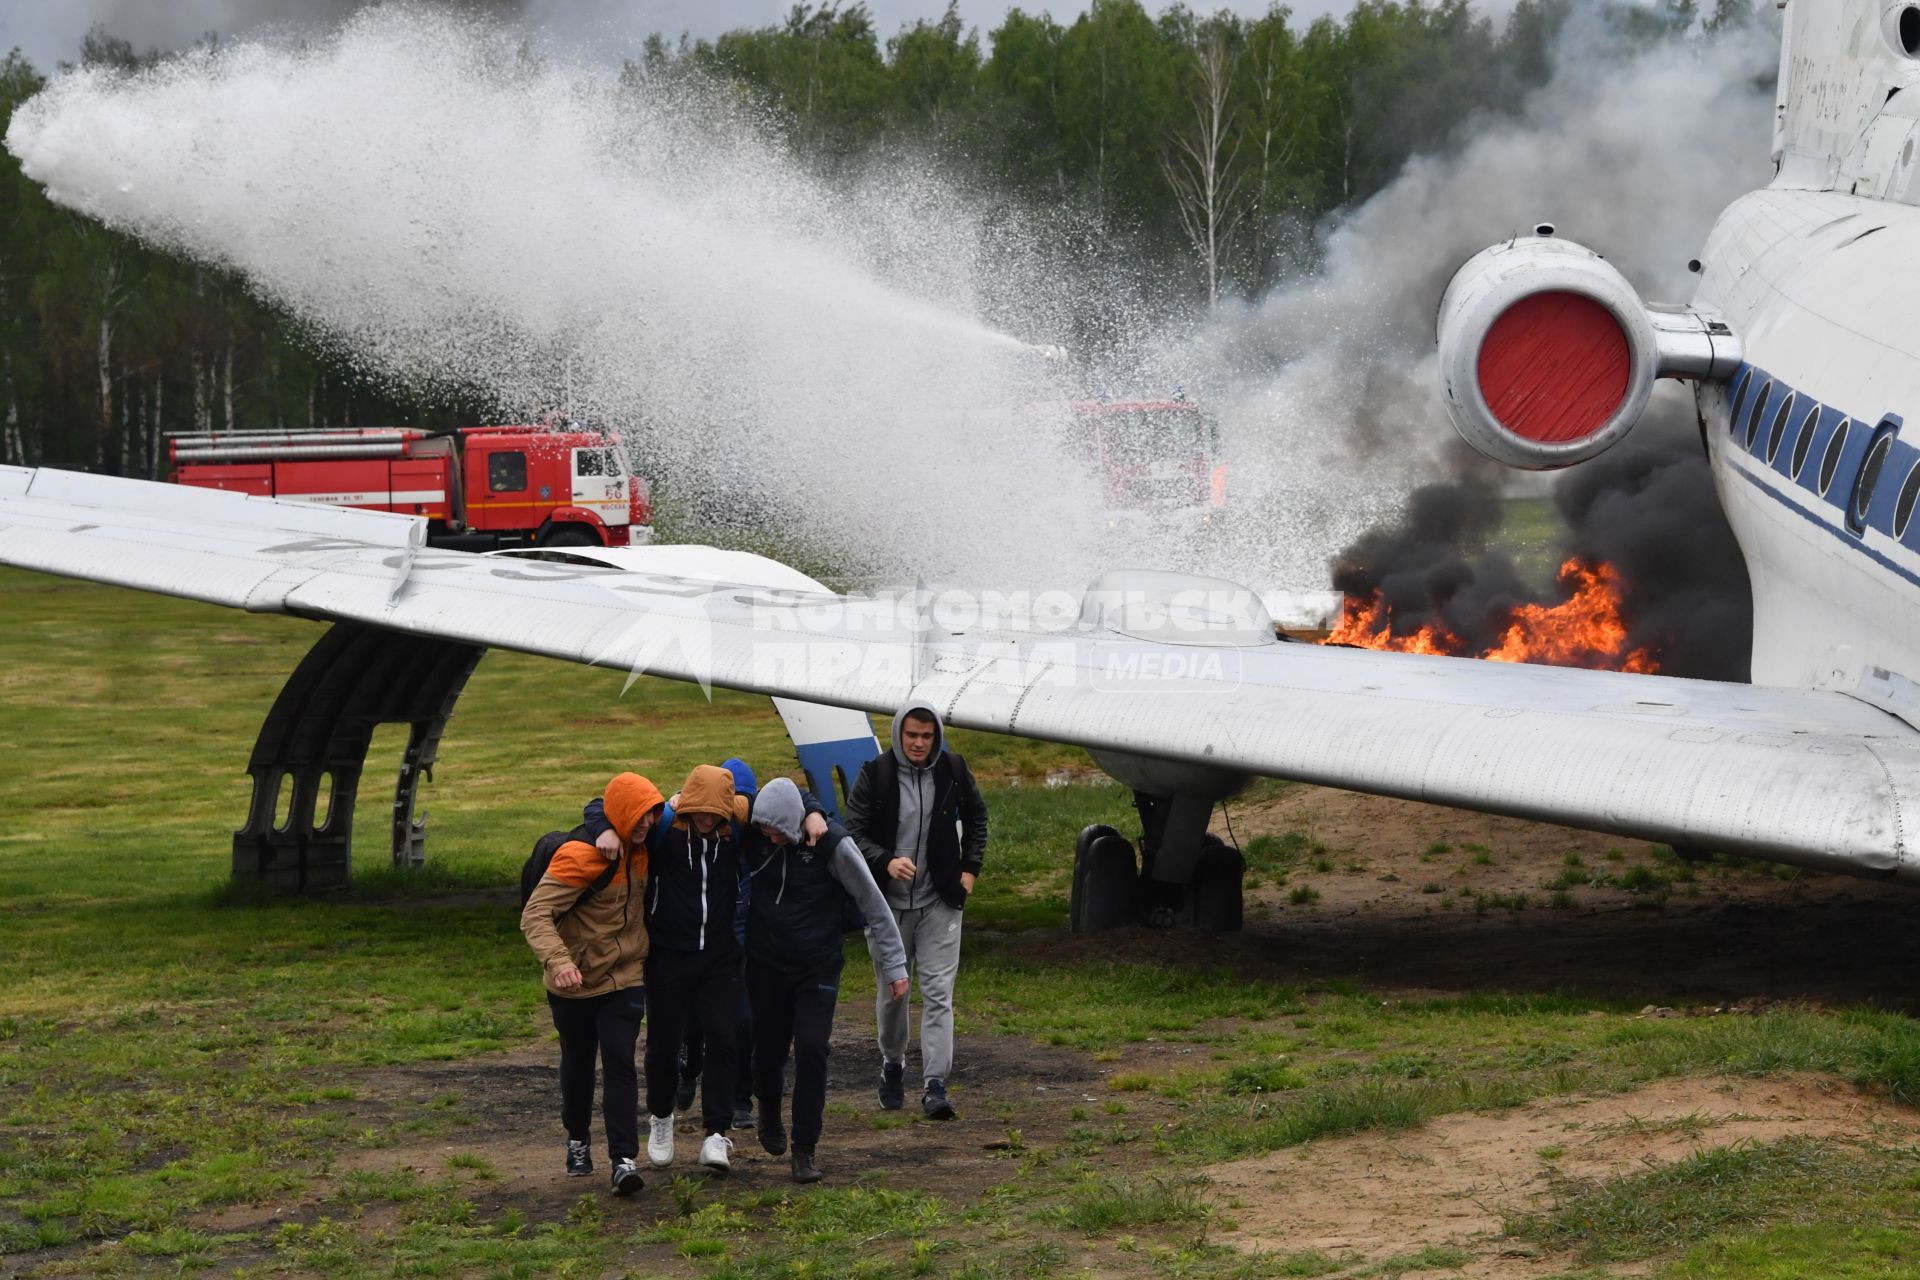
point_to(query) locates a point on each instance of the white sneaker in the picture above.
(659, 1141)
(714, 1152)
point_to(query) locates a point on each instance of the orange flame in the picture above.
(1585, 630)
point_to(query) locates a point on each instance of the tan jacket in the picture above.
(606, 939)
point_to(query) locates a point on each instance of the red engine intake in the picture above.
(1548, 355)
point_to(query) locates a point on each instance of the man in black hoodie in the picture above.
(920, 821)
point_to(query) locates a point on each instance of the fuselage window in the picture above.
(1779, 427)
(1739, 398)
(1804, 445)
(1830, 460)
(1909, 494)
(1759, 407)
(1869, 478)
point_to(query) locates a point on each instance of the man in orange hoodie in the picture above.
(591, 937)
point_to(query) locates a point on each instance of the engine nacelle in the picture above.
(1547, 354)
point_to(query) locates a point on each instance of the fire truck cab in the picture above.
(1154, 458)
(478, 488)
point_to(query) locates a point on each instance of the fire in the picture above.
(1585, 630)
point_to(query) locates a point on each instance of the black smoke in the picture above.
(1434, 566)
(1646, 506)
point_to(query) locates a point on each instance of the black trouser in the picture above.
(793, 1008)
(697, 985)
(608, 1026)
(694, 1058)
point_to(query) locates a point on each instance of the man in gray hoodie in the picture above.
(796, 921)
(919, 819)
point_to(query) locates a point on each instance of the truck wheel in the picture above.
(568, 535)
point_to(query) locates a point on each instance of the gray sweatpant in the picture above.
(932, 938)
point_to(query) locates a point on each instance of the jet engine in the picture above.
(1548, 355)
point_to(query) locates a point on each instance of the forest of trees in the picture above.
(1209, 145)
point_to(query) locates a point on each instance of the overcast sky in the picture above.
(49, 31)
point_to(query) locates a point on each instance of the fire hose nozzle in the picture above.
(1048, 351)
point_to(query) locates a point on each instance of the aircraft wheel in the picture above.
(1216, 890)
(1077, 900)
(1104, 884)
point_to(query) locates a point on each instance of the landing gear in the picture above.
(1215, 892)
(1186, 875)
(1105, 881)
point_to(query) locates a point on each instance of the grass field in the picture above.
(190, 1081)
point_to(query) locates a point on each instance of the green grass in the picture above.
(1105, 1205)
(1723, 1190)
(171, 1048)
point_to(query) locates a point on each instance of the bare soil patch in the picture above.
(1451, 1182)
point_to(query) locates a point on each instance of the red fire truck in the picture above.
(479, 488)
(1155, 458)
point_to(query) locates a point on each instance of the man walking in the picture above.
(694, 961)
(585, 921)
(795, 949)
(920, 821)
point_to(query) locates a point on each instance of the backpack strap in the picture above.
(600, 882)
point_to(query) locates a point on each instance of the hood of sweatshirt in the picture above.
(708, 789)
(744, 783)
(627, 799)
(779, 806)
(939, 734)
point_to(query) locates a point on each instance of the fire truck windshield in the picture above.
(595, 462)
(1144, 437)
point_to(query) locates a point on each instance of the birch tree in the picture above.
(1202, 156)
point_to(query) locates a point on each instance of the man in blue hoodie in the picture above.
(920, 821)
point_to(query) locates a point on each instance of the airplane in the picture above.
(1802, 342)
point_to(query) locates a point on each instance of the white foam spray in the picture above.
(452, 208)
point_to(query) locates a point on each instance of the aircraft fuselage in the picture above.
(1806, 441)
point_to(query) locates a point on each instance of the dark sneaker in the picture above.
(773, 1134)
(579, 1159)
(893, 1087)
(683, 1096)
(626, 1178)
(804, 1169)
(934, 1101)
(742, 1116)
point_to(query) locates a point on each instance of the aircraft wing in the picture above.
(1817, 778)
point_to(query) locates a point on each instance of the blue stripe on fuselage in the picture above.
(1752, 433)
